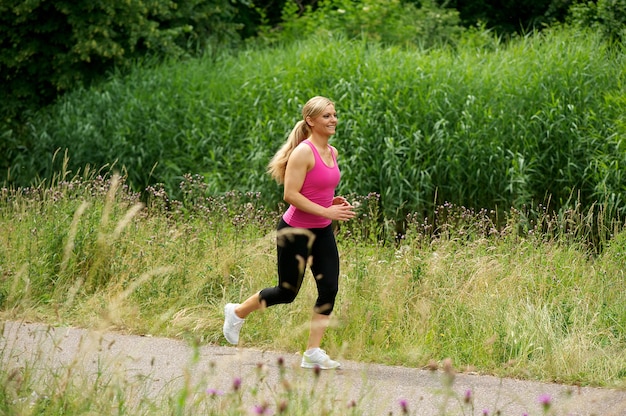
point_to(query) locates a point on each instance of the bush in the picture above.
(510, 17)
(609, 16)
(48, 47)
(391, 22)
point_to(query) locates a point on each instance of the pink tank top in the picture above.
(319, 186)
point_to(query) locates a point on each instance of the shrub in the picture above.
(391, 22)
(49, 47)
(609, 16)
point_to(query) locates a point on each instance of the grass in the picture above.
(535, 306)
(514, 301)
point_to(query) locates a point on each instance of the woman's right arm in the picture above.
(300, 162)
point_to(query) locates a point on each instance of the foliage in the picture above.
(484, 125)
(47, 47)
(510, 17)
(505, 18)
(609, 16)
(391, 22)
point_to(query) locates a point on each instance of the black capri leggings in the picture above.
(294, 246)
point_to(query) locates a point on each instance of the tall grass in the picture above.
(485, 124)
(533, 305)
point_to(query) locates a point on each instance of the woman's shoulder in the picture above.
(302, 152)
(304, 147)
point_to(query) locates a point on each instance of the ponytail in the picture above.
(278, 165)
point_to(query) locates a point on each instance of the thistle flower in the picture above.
(261, 409)
(404, 405)
(546, 401)
(467, 399)
(214, 392)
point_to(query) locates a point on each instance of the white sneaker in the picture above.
(318, 359)
(232, 323)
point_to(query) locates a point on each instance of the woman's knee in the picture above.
(326, 300)
(277, 295)
(288, 296)
(324, 308)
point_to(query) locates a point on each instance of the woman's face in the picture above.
(325, 123)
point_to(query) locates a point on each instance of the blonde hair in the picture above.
(313, 108)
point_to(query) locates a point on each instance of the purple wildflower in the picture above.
(546, 401)
(404, 405)
(468, 396)
(236, 384)
(262, 409)
(214, 392)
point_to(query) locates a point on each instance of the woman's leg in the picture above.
(292, 251)
(325, 268)
(293, 247)
(319, 323)
(248, 306)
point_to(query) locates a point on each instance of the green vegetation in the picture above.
(498, 159)
(86, 251)
(53, 46)
(606, 16)
(389, 22)
(485, 125)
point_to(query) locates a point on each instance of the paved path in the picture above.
(164, 366)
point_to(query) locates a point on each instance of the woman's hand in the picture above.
(340, 210)
(339, 200)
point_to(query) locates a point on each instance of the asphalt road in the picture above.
(163, 366)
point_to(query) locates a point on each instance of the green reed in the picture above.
(482, 124)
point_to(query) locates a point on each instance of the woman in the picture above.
(307, 167)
